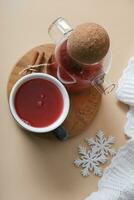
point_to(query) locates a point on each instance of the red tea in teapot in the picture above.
(74, 75)
(81, 58)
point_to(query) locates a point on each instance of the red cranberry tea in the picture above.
(38, 102)
(81, 57)
(82, 73)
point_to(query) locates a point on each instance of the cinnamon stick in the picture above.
(35, 66)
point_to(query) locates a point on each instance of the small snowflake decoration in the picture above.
(90, 159)
(101, 145)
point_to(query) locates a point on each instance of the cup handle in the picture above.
(60, 133)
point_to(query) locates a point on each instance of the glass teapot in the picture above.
(76, 76)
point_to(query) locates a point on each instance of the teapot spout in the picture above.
(59, 29)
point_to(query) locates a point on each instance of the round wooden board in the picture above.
(84, 105)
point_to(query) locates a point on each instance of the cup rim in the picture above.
(61, 118)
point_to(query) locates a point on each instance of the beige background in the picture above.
(34, 168)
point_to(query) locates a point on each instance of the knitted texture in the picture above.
(125, 93)
(117, 182)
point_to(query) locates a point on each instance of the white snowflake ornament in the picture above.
(89, 161)
(99, 150)
(101, 144)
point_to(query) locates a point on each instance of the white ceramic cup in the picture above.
(58, 84)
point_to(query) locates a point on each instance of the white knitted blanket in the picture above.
(125, 93)
(117, 182)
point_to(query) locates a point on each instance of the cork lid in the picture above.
(88, 43)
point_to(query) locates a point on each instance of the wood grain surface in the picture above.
(84, 105)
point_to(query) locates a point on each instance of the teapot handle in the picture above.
(60, 133)
(103, 86)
